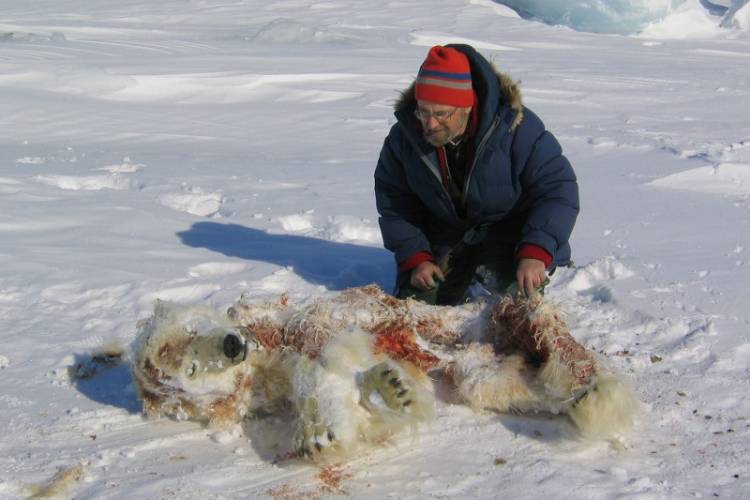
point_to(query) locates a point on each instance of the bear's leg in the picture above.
(328, 413)
(383, 381)
(390, 389)
(312, 435)
(537, 329)
(486, 380)
(347, 397)
(596, 399)
(607, 409)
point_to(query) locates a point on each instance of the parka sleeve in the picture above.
(549, 185)
(401, 211)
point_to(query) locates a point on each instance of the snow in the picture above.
(690, 20)
(193, 200)
(652, 18)
(722, 179)
(194, 151)
(738, 17)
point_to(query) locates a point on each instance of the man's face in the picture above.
(441, 123)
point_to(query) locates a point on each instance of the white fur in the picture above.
(334, 382)
(606, 410)
(175, 326)
(495, 382)
(320, 360)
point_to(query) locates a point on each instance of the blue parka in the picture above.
(519, 186)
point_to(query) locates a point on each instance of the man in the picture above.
(469, 181)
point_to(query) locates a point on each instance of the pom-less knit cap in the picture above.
(445, 78)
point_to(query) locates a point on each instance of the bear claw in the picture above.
(385, 381)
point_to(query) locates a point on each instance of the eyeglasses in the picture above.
(424, 115)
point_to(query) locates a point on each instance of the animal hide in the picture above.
(356, 368)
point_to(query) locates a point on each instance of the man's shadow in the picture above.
(333, 265)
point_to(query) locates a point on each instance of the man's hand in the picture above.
(530, 275)
(423, 275)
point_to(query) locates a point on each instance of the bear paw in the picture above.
(312, 437)
(385, 381)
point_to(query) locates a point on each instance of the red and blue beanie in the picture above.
(445, 78)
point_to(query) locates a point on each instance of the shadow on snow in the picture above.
(109, 383)
(334, 265)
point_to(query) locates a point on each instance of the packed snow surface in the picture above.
(191, 151)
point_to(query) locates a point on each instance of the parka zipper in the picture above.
(436, 170)
(477, 153)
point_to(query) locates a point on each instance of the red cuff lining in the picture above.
(531, 251)
(415, 260)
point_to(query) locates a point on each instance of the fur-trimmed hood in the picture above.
(508, 89)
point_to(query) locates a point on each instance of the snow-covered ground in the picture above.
(195, 150)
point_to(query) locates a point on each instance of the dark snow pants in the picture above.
(492, 262)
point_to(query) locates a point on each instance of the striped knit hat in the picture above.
(445, 78)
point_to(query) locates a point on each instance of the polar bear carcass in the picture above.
(355, 367)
